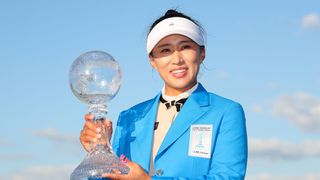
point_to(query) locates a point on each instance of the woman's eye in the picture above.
(165, 51)
(186, 47)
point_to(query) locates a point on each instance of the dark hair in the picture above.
(174, 13)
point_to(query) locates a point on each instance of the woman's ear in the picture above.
(202, 53)
(152, 63)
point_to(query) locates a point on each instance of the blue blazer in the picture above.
(228, 159)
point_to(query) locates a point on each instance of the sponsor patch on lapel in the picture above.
(200, 140)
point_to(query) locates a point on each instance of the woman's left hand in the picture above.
(136, 172)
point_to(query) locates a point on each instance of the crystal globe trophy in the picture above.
(95, 78)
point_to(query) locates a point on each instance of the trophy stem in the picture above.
(100, 159)
(99, 112)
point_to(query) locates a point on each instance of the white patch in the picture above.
(200, 140)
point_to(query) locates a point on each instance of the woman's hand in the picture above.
(136, 171)
(93, 133)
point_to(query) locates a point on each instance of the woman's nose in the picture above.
(177, 57)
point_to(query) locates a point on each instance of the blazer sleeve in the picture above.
(116, 146)
(229, 158)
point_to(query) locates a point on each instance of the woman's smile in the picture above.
(179, 73)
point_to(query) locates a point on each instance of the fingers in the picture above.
(136, 171)
(90, 132)
(88, 135)
(89, 122)
(114, 171)
(116, 174)
(92, 126)
(88, 117)
(123, 159)
(95, 132)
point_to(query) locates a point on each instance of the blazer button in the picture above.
(159, 172)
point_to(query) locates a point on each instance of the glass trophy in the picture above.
(95, 78)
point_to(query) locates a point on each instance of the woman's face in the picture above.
(177, 59)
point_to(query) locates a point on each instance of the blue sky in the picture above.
(263, 54)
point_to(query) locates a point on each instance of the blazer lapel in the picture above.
(191, 111)
(145, 127)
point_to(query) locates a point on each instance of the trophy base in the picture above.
(98, 161)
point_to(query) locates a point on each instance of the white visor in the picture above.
(174, 25)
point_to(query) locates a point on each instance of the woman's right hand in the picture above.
(93, 133)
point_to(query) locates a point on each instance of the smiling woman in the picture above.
(177, 59)
(184, 131)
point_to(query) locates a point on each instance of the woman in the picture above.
(184, 131)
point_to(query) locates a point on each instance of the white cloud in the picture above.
(256, 108)
(67, 142)
(15, 156)
(5, 143)
(311, 21)
(302, 109)
(48, 172)
(267, 176)
(55, 135)
(275, 149)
